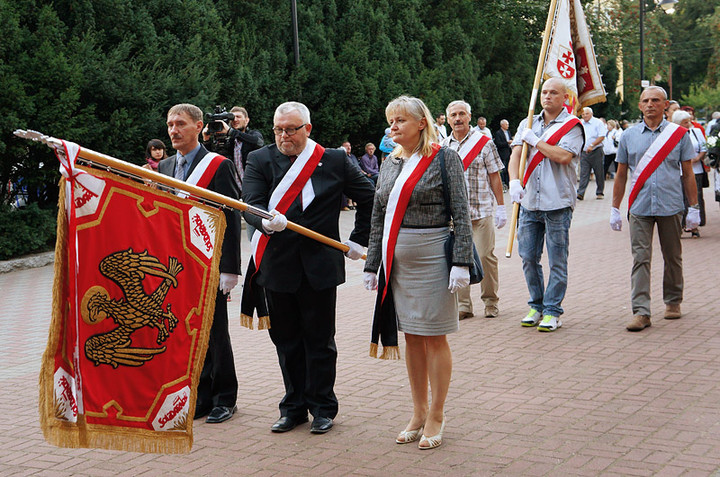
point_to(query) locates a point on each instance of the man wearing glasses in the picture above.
(298, 180)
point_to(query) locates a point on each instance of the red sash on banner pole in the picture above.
(470, 150)
(555, 135)
(397, 205)
(653, 157)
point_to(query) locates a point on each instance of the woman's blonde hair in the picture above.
(416, 108)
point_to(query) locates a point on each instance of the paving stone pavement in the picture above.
(589, 399)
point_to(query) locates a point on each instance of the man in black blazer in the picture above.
(301, 275)
(502, 140)
(217, 390)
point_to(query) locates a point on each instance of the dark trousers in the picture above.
(504, 176)
(218, 383)
(302, 327)
(592, 160)
(700, 201)
(609, 160)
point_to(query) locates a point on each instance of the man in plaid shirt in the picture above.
(482, 177)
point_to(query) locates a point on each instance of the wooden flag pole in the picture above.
(531, 112)
(153, 176)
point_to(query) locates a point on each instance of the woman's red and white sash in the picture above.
(204, 171)
(295, 181)
(552, 136)
(472, 147)
(653, 157)
(398, 200)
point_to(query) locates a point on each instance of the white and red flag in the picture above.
(571, 56)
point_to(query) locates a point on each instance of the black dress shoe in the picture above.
(287, 423)
(220, 414)
(321, 425)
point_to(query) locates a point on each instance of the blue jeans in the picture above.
(533, 227)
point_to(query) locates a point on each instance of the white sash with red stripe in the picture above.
(204, 171)
(398, 200)
(472, 147)
(653, 157)
(295, 181)
(552, 136)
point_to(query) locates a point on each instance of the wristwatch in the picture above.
(694, 206)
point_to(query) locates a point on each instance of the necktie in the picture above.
(180, 168)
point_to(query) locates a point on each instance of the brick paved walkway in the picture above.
(590, 399)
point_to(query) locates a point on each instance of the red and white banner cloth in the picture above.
(398, 200)
(571, 56)
(653, 157)
(136, 271)
(472, 147)
(295, 181)
(552, 136)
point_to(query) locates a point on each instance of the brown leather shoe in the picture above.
(639, 323)
(465, 314)
(672, 312)
(491, 311)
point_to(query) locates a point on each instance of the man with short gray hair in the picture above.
(299, 180)
(482, 175)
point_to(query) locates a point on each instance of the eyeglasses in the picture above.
(287, 131)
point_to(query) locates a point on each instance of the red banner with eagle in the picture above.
(136, 274)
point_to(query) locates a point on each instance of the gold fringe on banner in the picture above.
(264, 322)
(246, 321)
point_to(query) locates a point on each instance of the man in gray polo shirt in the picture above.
(657, 201)
(547, 201)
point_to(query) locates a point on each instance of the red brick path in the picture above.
(589, 399)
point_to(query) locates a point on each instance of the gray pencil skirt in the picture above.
(419, 278)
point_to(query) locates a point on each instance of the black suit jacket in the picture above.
(502, 145)
(288, 255)
(223, 182)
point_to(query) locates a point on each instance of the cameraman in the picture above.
(239, 141)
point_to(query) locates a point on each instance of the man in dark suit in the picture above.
(502, 140)
(217, 390)
(301, 275)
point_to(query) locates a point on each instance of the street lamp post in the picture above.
(669, 7)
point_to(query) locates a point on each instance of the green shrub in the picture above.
(27, 230)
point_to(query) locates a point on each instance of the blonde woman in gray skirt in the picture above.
(407, 244)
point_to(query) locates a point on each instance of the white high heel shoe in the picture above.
(409, 436)
(432, 441)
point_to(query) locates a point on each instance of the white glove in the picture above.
(459, 278)
(228, 281)
(356, 250)
(277, 224)
(692, 220)
(517, 192)
(370, 280)
(615, 219)
(500, 216)
(529, 137)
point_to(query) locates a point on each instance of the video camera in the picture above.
(216, 119)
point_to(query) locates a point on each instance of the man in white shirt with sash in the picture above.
(217, 389)
(299, 179)
(547, 197)
(655, 152)
(482, 165)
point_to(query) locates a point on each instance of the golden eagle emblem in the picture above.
(138, 309)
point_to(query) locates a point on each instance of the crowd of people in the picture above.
(424, 209)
